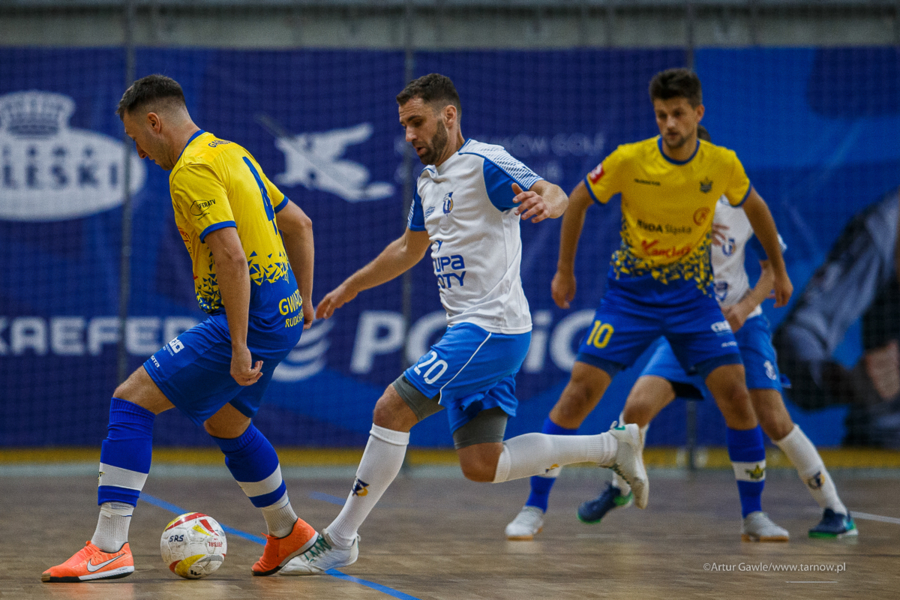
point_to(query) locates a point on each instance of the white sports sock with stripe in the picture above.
(804, 456)
(112, 526)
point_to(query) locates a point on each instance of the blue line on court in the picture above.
(327, 498)
(261, 541)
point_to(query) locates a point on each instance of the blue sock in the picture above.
(254, 464)
(748, 457)
(126, 453)
(541, 485)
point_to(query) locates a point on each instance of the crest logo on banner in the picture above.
(51, 172)
(314, 161)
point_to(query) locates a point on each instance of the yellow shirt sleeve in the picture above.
(201, 197)
(603, 182)
(739, 185)
(279, 200)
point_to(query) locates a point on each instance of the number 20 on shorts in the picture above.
(600, 335)
(434, 371)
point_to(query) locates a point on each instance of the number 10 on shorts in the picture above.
(600, 335)
(435, 369)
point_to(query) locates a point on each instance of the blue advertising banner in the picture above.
(811, 126)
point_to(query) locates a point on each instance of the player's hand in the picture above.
(242, 368)
(562, 288)
(309, 315)
(735, 316)
(335, 299)
(883, 368)
(783, 289)
(531, 205)
(718, 234)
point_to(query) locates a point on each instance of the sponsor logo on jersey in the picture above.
(728, 246)
(200, 208)
(706, 185)
(50, 171)
(651, 248)
(449, 270)
(595, 175)
(771, 372)
(721, 290)
(666, 228)
(647, 182)
(215, 143)
(700, 215)
(447, 203)
(315, 161)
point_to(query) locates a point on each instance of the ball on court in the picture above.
(193, 545)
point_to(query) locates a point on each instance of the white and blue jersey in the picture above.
(731, 285)
(466, 206)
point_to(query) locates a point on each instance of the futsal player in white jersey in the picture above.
(663, 379)
(468, 204)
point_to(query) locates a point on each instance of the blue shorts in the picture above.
(755, 343)
(194, 370)
(471, 370)
(630, 318)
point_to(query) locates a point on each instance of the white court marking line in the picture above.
(810, 581)
(868, 517)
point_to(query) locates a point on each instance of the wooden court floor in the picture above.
(438, 536)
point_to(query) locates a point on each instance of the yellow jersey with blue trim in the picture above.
(667, 207)
(217, 184)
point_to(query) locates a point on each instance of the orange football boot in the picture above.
(279, 551)
(92, 563)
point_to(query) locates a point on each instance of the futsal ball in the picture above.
(193, 545)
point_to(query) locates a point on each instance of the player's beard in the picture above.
(681, 141)
(437, 146)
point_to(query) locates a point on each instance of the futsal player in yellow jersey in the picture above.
(660, 283)
(216, 372)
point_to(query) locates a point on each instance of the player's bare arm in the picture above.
(737, 314)
(234, 285)
(397, 258)
(297, 233)
(544, 200)
(764, 227)
(564, 285)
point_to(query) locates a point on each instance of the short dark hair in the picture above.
(152, 89)
(677, 83)
(431, 88)
(703, 133)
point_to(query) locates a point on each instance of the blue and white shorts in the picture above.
(471, 370)
(631, 317)
(755, 343)
(194, 370)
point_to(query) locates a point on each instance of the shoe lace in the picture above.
(319, 548)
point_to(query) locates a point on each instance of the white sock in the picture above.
(379, 466)
(280, 517)
(804, 456)
(112, 526)
(617, 481)
(535, 453)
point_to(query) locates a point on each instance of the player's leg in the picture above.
(746, 450)
(650, 394)
(777, 424)
(764, 382)
(580, 396)
(254, 464)
(125, 457)
(617, 336)
(396, 412)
